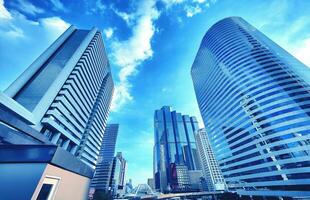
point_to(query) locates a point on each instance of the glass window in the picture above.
(48, 188)
(45, 191)
(32, 92)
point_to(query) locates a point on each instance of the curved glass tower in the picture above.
(254, 98)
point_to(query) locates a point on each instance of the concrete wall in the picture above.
(71, 185)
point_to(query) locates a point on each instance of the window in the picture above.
(48, 188)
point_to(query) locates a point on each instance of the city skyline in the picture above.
(158, 56)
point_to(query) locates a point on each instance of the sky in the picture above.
(151, 45)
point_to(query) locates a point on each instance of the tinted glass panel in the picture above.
(45, 191)
(32, 92)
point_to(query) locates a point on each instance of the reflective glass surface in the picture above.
(32, 92)
(254, 99)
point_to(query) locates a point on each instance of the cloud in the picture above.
(54, 25)
(4, 13)
(128, 18)
(170, 3)
(100, 6)
(192, 10)
(199, 1)
(129, 54)
(19, 35)
(58, 5)
(94, 7)
(303, 52)
(27, 7)
(108, 32)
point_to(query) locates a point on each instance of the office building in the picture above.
(210, 168)
(150, 182)
(117, 183)
(104, 165)
(175, 150)
(15, 124)
(195, 179)
(67, 90)
(254, 99)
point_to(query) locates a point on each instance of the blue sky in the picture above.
(151, 46)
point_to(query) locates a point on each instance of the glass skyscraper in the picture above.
(255, 102)
(174, 150)
(68, 90)
(103, 172)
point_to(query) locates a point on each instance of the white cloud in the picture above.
(128, 18)
(199, 1)
(58, 5)
(54, 25)
(100, 6)
(303, 52)
(4, 13)
(129, 54)
(108, 32)
(192, 7)
(170, 3)
(192, 10)
(27, 7)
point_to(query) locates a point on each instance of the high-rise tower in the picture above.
(104, 165)
(210, 168)
(175, 150)
(68, 90)
(255, 102)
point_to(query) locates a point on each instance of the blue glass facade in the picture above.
(255, 102)
(174, 146)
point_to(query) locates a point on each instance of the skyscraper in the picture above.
(68, 90)
(103, 172)
(254, 99)
(175, 149)
(118, 175)
(210, 168)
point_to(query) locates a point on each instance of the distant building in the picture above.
(68, 90)
(103, 172)
(183, 179)
(128, 187)
(195, 179)
(150, 182)
(175, 150)
(117, 184)
(211, 170)
(254, 99)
